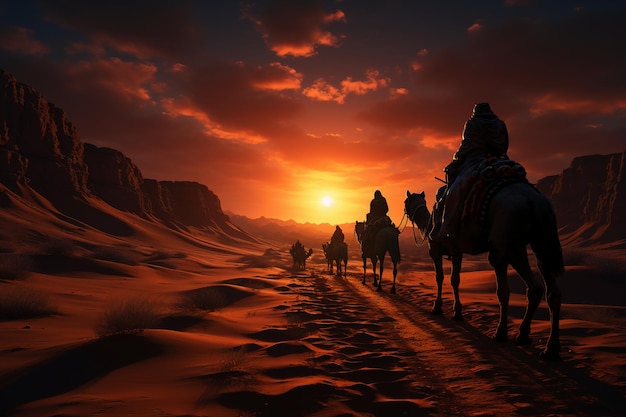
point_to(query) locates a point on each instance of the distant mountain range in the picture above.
(44, 162)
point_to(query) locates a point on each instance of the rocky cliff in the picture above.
(590, 198)
(40, 149)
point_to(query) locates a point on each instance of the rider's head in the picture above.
(481, 109)
(377, 194)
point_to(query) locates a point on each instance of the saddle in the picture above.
(372, 229)
(487, 179)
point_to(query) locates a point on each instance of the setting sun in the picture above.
(327, 201)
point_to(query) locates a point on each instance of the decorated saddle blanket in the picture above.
(486, 180)
(372, 229)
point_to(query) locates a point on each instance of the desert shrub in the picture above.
(205, 299)
(14, 266)
(129, 315)
(19, 302)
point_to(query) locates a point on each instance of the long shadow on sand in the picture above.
(73, 368)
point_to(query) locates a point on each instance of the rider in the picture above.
(378, 211)
(484, 135)
(338, 236)
(378, 208)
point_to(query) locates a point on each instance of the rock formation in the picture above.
(590, 198)
(40, 149)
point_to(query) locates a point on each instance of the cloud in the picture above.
(320, 90)
(295, 28)
(243, 97)
(21, 40)
(549, 80)
(142, 28)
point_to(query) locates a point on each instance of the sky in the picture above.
(302, 109)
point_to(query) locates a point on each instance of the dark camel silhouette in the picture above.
(385, 241)
(517, 216)
(336, 253)
(299, 256)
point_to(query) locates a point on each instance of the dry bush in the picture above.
(130, 315)
(19, 302)
(234, 359)
(205, 299)
(14, 266)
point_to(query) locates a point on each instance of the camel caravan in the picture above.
(299, 255)
(486, 205)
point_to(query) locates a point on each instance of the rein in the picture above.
(424, 235)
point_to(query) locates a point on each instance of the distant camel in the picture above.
(386, 240)
(299, 256)
(336, 253)
(516, 216)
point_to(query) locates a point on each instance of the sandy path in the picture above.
(452, 367)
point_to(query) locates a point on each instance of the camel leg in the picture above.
(380, 277)
(364, 269)
(395, 272)
(534, 292)
(504, 292)
(455, 281)
(374, 263)
(438, 263)
(553, 297)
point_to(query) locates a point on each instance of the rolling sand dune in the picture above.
(236, 332)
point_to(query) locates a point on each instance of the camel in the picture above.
(386, 240)
(516, 216)
(336, 253)
(299, 256)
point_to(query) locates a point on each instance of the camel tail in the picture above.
(545, 238)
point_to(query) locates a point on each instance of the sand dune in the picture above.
(238, 333)
(230, 330)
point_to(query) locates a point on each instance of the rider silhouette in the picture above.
(378, 208)
(338, 236)
(378, 211)
(484, 135)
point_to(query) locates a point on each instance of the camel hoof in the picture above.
(436, 311)
(500, 338)
(458, 317)
(393, 290)
(378, 289)
(523, 340)
(551, 356)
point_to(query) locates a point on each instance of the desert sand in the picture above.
(272, 341)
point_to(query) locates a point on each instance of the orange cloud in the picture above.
(295, 28)
(551, 102)
(476, 27)
(372, 83)
(185, 108)
(320, 90)
(277, 77)
(130, 80)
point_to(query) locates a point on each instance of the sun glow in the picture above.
(327, 201)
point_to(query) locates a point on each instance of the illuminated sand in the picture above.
(300, 343)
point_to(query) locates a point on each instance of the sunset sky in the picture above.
(302, 109)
